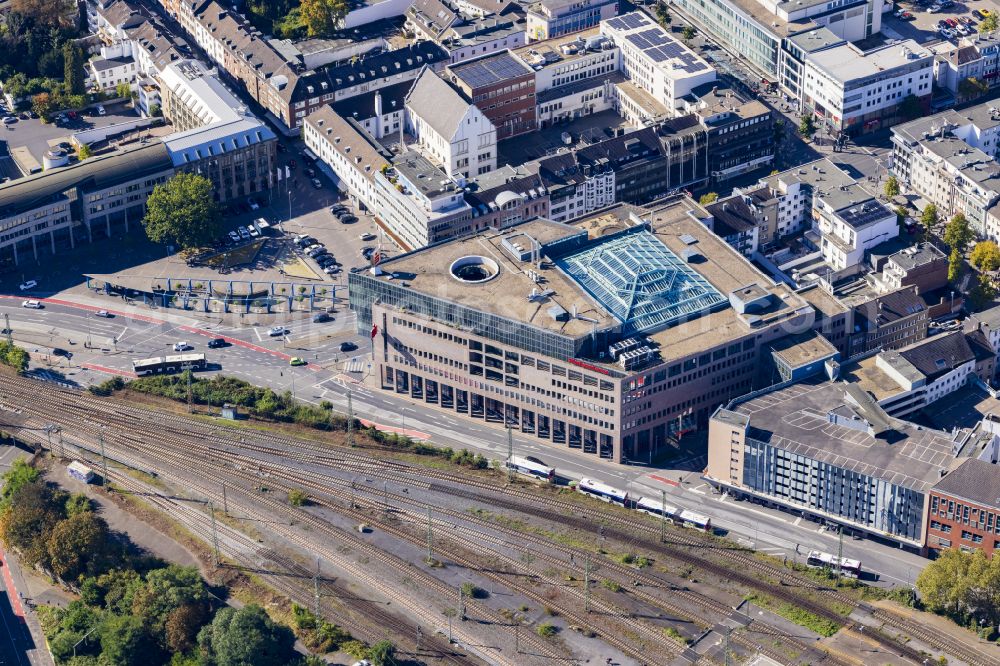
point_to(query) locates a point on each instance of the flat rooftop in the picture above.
(658, 46)
(848, 63)
(802, 349)
(550, 51)
(489, 70)
(871, 378)
(795, 419)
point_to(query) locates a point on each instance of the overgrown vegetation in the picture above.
(13, 356)
(34, 35)
(963, 587)
(799, 616)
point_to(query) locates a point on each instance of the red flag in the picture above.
(374, 330)
(376, 257)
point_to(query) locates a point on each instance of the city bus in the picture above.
(820, 560)
(530, 467)
(603, 492)
(169, 364)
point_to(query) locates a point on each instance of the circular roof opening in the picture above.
(474, 269)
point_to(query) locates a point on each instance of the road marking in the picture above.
(661, 479)
(797, 521)
(697, 491)
(257, 333)
(105, 369)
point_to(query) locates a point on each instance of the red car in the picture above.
(952, 22)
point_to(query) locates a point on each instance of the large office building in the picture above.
(58, 208)
(553, 18)
(608, 337)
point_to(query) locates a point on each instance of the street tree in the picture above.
(323, 17)
(957, 233)
(807, 126)
(891, 187)
(688, 33)
(708, 198)
(929, 216)
(954, 265)
(662, 14)
(983, 292)
(246, 636)
(42, 104)
(986, 256)
(182, 211)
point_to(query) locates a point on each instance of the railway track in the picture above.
(628, 528)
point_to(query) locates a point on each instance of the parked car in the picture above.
(59, 351)
(104, 314)
(978, 14)
(233, 236)
(332, 269)
(347, 346)
(348, 219)
(30, 284)
(9, 120)
(252, 230)
(951, 22)
(215, 343)
(310, 172)
(32, 305)
(907, 16)
(338, 209)
(367, 236)
(101, 111)
(325, 260)
(253, 204)
(275, 331)
(946, 33)
(367, 252)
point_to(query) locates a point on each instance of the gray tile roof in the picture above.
(973, 480)
(437, 103)
(939, 355)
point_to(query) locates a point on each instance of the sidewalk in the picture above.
(27, 636)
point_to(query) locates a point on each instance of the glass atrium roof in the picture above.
(641, 282)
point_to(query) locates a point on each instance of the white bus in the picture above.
(691, 519)
(602, 491)
(531, 468)
(169, 364)
(820, 560)
(655, 508)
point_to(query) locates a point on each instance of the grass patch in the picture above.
(546, 630)
(236, 257)
(612, 585)
(799, 616)
(673, 634)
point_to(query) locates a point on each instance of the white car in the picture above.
(252, 230)
(275, 331)
(30, 284)
(32, 304)
(103, 313)
(181, 346)
(946, 33)
(235, 237)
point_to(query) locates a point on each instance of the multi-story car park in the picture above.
(608, 337)
(825, 448)
(79, 202)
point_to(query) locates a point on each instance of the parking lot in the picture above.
(35, 137)
(924, 27)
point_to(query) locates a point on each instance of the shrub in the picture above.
(297, 497)
(546, 630)
(611, 585)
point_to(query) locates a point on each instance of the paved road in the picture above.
(264, 361)
(17, 647)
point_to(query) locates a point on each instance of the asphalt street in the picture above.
(330, 375)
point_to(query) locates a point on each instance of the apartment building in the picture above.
(853, 91)
(217, 136)
(735, 220)
(759, 29)
(464, 35)
(85, 201)
(107, 73)
(851, 222)
(449, 128)
(505, 197)
(964, 509)
(553, 18)
(922, 265)
(502, 87)
(976, 57)
(655, 61)
(565, 333)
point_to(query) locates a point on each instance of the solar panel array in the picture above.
(629, 21)
(659, 47)
(490, 70)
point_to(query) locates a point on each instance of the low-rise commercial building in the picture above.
(464, 35)
(964, 511)
(607, 337)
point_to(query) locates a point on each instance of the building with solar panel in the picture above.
(654, 60)
(610, 337)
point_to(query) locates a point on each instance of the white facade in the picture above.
(667, 79)
(107, 73)
(847, 234)
(849, 88)
(596, 191)
(355, 160)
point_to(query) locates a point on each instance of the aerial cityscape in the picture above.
(499, 332)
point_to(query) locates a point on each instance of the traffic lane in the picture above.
(16, 643)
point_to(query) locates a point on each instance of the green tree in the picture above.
(246, 636)
(911, 107)
(662, 14)
(807, 126)
(73, 68)
(33, 511)
(688, 33)
(84, 152)
(123, 90)
(19, 475)
(182, 211)
(983, 292)
(155, 111)
(125, 641)
(382, 653)
(77, 546)
(972, 87)
(901, 214)
(17, 358)
(954, 265)
(165, 590)
(957, 233)
(709, 198)
(114, 590)
(985, 256)
(297, 497)
(891, 187)
(988, 24)
(929, 216)
(323, 17)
